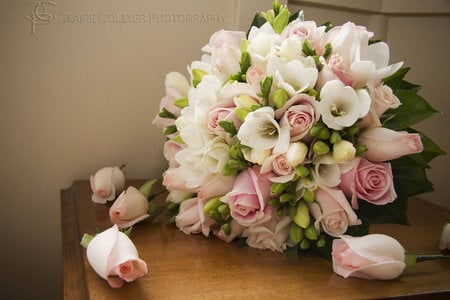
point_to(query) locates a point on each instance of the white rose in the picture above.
(106, 184)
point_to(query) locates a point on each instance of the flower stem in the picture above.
(412, 259)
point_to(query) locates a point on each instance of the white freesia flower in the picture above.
(343, 151)
(293, 76)
(263, 42)
(215, 156)
(341, 106)
(379, 54)
(261, 131)
(326, 172)
(256, 156)
(291, 48)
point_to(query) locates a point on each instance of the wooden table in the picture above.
(194, 267)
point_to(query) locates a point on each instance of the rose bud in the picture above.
(445, 238)
(106, 184)
(114, 257)
(130, 207)
(374, 256)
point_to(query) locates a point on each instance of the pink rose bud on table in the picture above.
(130, 207)
(374, 256)
(114, 257)
(445, 238)
(106, 184)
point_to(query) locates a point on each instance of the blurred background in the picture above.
(81, 82)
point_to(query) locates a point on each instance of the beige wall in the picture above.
(77, 96)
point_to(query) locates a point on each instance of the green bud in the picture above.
(311, 232)
(269, 16)
(304, 244)
(352, 130)
(320, 148)
(236, 151)
(274, 202)
(146, 188)
(178, 139)
(280, 211)
(280, 98)
(301, 217)
(170, 129)
(309, 195)
(314, 93)
(281, 20)
(302, 171)
(86, 239)
(198, 74)
(211, 205)
(215, 215)
(229, 171)
(360, 150)
(182, 102)
(241, 113)
(321, 242)
(276, 7)
(278, 187)
(324, 134)
(226, 228)
(244, 45)
(292, 211)
(296, 233)
(316, 128)
(224, 209)
(307, 50)
(173, 207)
(335, 137)
(287, 197)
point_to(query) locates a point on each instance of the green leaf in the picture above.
(229, 127)
(299, 15)
(405, 85)
(394, 212)
(181, 102)
(245, 62)
(266, 85)
(411, 181)
(358, 230)
(410, 161)
(395, 79)
(281, 20)
(306, 49)
(258, 21)
(170, 129)
(166, 114)
(328, 25)
(413, 110)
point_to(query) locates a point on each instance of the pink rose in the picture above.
(188, 218)
(279, 165)
(130, 207)
(224, 37)
(114, 257)
(191, 219)
(254, 76)
(368, 181)
(332, 212)
(382, 99)
(236, 230)
(221, 114)
(216, 186)
(176, 179)
(271, 235)
(298, 114)
(385, 144)
(106, 184)
(170, 149)
(374, 256)
(306, 30)
(168, 103)
(248, 199)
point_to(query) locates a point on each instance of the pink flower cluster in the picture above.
(268, 131)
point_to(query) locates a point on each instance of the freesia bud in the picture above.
(245, 101)
(296, 153)
(311, 232)
(343, 151)
(241, 113)
(296, 233)
(280, 98)
(309, 195)
(320, 148)
(212, 204)
(301, 217)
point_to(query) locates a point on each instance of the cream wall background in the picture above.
(80, 93)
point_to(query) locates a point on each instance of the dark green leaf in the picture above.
(358, 230)
(164, 113)
(410, 161)
(258, 21)
(299, 15)
(408, 86)
(395, 79)
(394, 212)
(306, 49)
(411, 181)
(327, 25)
(170, 129)
(413, 110)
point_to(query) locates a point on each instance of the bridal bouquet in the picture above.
(292, 135)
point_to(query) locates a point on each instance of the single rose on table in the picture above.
(114, 257)
(130, 207)
(106, 183)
